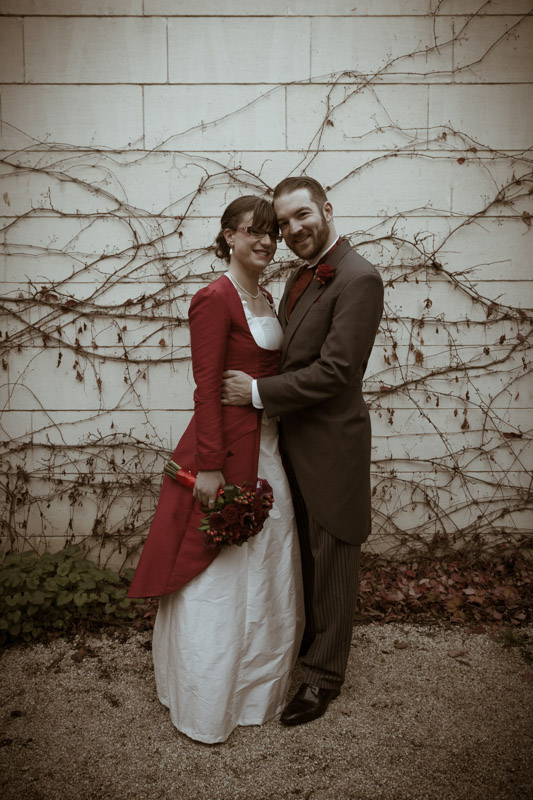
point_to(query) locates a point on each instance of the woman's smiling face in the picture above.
(249, 250)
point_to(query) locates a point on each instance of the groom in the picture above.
(330, 312)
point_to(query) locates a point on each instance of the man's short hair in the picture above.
(288, 185)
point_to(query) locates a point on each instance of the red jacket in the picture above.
(218, 437)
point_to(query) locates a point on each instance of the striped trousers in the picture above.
(330, 571)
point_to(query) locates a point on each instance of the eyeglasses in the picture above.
(258, 234)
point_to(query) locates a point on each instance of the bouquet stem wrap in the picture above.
(238, 514)
(180, 475)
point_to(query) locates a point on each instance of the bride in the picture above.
(229, 623)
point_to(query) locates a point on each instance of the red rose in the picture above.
(230, 514)
(217, 521)
(324, 273)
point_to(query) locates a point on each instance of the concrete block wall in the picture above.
(128, 125)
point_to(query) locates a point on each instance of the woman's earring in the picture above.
(231, 251)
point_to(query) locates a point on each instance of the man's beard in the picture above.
(320, 238)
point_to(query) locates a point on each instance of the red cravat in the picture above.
(298, 287)
(303, 279)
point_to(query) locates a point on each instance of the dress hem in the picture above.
(221, 740)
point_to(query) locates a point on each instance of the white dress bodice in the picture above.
(267, 331)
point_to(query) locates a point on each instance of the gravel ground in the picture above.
(426, 712)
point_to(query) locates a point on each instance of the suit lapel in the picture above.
(282, 315)
(310, 296)
(301, 308)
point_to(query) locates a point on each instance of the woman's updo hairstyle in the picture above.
(264, 219)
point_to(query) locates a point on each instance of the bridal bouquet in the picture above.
(238, 514)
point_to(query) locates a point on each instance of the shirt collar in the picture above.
(323, 253)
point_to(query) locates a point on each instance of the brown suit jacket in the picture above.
(318, 395)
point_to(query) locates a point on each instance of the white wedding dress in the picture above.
(225, 644)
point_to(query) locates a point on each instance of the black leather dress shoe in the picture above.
(309, 703)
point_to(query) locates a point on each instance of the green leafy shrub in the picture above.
(57, 591)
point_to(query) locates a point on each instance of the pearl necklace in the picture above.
(253, 296)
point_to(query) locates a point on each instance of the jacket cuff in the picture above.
(210, 461)
(256, 397)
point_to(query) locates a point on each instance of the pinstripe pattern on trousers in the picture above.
(332, 582)
(330, 572)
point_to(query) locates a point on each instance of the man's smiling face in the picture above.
(303, 224)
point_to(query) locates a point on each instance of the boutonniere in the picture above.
(324, 273)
